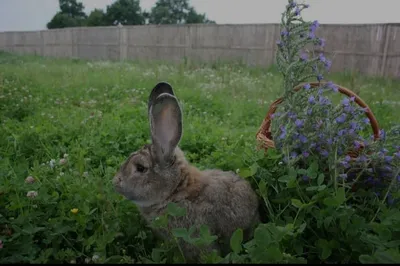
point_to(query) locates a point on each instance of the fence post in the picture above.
(386, 35)
(123, 43)
(41, 43)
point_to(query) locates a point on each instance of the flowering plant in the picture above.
(310, 128)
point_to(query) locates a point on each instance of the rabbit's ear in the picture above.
(162, 87)
(165, 125)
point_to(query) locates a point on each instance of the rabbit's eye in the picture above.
(140, 168)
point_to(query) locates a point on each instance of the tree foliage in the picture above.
(96, 18)
(175, 12)
(71, 15)
(126, 12)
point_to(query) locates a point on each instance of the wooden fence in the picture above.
(372, 49)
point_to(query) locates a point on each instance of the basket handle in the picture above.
(374, 123)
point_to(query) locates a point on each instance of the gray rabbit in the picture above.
(158, 174)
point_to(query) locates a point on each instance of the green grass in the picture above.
(96, 113)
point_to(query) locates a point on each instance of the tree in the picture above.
(196, 18)
(96, 18)
(71, 15)
(175, 12)
(72, 8)
(126, 12)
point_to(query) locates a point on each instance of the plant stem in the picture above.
(386, 195)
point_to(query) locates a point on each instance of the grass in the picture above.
(93, 114)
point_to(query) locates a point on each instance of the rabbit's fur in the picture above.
(158, 174)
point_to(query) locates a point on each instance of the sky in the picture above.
(31, 15)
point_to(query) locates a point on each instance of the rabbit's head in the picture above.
(152, 173)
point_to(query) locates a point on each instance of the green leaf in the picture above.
(262, 186)
(292, 173)
(292, 183)
(156, 254)
(331, 202)
(31, 230)
(320, 188)
(236, 241)
(340, 196)
(160, 222)
(180, 233)
(343, 221)
(274, 254)
(366, 259)
(313, 170)
(320, 179)
(297, 203)
(302, 172)
(325, 247)
(284, 179)
(313, 188)
(385, 234)
(174, 210)
(302, 227)
(247, 172)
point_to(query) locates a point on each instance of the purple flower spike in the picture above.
(305, 178)
(311, 99)
(284, 33)
(297, 12)
(304, 57)
(283, 133)
(311, 35)
(307, 86)
(362, 159)
(293, 154)
(303, 139)
(388, 159)
(328, 64)
(324, 153)
(306, 154)
(333, 86)
(341, 118)
(322, 42)
(320, 77)
(309, 111)
(314, 26)
(348, 109)
(322, 58)
(279, 43)
(292, 115)
(341, 132)
(299, 123)
(346, 102)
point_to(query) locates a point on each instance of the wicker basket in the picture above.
(264, 135)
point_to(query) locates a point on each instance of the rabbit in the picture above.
(158, 174)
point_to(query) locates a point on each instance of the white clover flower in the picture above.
(52, 163)
(30, 180)
(32, 194)
(95, 258)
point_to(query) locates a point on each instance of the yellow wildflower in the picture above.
(74, 210)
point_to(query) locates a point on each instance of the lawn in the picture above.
(69, 124)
